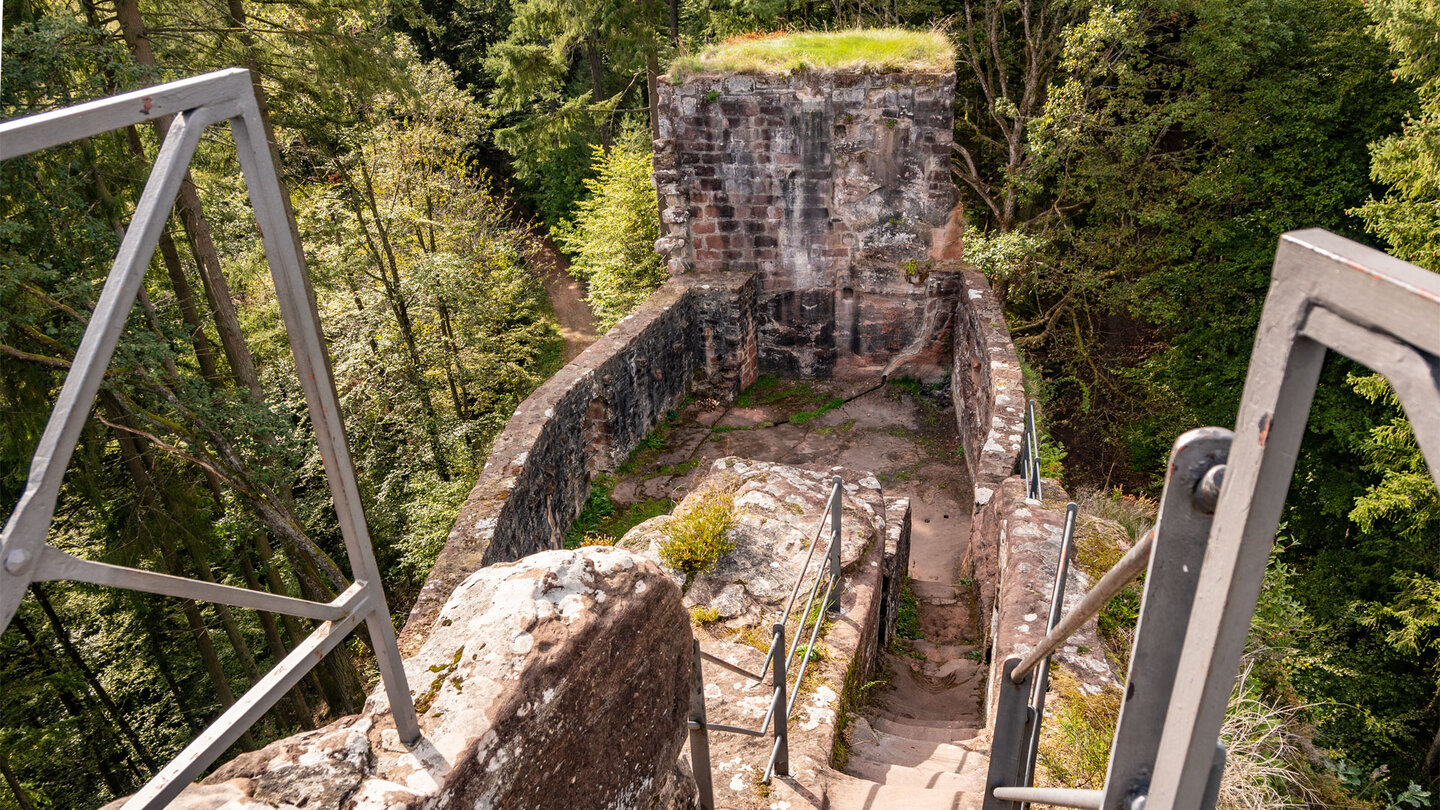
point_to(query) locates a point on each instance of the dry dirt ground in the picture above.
(567, 298)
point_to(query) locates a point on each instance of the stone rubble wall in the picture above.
(835, 189)
(1014, 543)
(987, 387)
(698, 330)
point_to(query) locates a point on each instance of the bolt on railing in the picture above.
(1221, 504)
(778, 660)
(195, 105)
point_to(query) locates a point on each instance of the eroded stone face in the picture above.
(561, 680)
(777, 509)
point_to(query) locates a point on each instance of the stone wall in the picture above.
(587, 418)
(1016, 548)
(986, 385)
(835, 189)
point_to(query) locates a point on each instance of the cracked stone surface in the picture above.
(532, 664)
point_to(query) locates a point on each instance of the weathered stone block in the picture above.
(532, 692)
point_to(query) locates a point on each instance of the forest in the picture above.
(1126, 168)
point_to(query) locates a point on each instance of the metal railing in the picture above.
(778, 660)
(194, 105)
(1205, 558)
(1030, 454)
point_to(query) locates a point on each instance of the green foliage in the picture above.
(697, 538)
(611, 240)
(907, 618)
(602, 522)
(876, 49)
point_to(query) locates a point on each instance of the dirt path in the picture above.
(567, 298)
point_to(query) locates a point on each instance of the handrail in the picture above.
(1195, 472)
(1057, 604)
(1119, 575)
(1030, 454)
(778, 658)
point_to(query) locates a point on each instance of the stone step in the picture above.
(936, 593)
(917, 731)
(969, 780)
(941, 652)
(894, 749)
(859, 794)
(890, 716)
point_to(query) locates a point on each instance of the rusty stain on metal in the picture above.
(146, 106)
(1264, 428)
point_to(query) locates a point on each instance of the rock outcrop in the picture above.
(559, 681)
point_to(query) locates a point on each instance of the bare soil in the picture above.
(567, 298)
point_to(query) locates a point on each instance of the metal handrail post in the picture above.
(834, 554)
(781, 756)
(1013, 718)
(1181, 536)
(700, 737)
(1042, 677)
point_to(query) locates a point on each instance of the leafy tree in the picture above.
(611, 238)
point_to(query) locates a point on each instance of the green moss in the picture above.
(825, 407)
(602, 522)
(873, 50)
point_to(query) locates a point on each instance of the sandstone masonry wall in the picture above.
(835, 189)
(986, 385)
(586, 419)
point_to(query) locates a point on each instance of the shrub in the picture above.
(697, 539)
(611, 241)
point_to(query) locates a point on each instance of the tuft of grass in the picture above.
(871, 50)
(1078, 730)
(697, 539)
(825, 407)
(601, 522)
(704, 615)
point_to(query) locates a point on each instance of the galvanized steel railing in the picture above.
(778, 660)
(1030, 454)
(1207, 554)
(195, 105)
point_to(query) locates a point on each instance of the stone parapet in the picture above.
(987, 387)
(587, 419)
(562, 680)
(1015, 552)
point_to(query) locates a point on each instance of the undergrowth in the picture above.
(697, 538)
(602, 523)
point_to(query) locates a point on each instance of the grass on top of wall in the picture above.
(874, 49)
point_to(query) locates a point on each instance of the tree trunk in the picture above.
(104, 765)
(390, 272)
(116, 716)
(16, 789)
(597, 92)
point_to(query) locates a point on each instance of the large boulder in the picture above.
(561, 680)
(777, 509)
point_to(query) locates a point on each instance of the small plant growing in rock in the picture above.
(704, 615)
(712, 96)
(696, 540)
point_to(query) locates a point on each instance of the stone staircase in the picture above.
(921, 745)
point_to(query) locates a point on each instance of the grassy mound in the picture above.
(875, 49)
